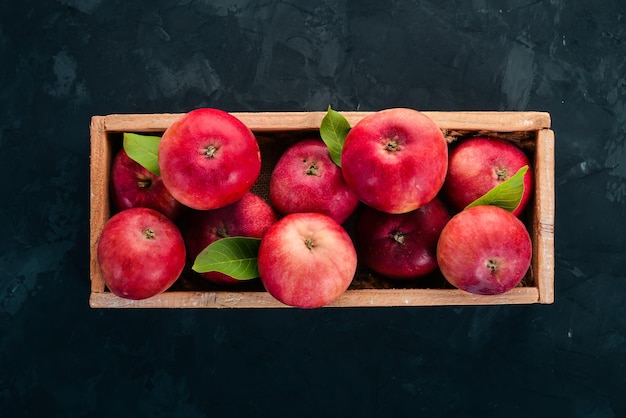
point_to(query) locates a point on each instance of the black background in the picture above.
(63, 61)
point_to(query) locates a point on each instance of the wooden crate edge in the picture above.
(288, 121)
(543, 227)
(350, 299)
(98, 195)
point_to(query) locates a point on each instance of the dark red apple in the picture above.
(484, 250)
(208, 159)
(141, 253)
(476, 165)
(306, 260)
(395, 160)
(305, 179)
(401, 246)
(250, 216)
(134, 186)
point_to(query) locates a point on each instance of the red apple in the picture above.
(395, 160)
(306, 260)
(208, 159)
(305, 179)
(401, 246)
(141, 253)
(250, 216)
(484, 250)
(134, 186)
(477, 165)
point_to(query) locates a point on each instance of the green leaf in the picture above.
(233, 256)
(333, 130)
(506, 195)
(144, 149)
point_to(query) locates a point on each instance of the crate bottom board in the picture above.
(366, 290)
(350, 298)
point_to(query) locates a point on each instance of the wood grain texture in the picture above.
(543, 223)
(534, 125)
(99, 172)
(291, 121)
(351, 298)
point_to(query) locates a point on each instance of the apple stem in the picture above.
(492, 265)
(222, 231)
(311, 170)
(398, 236)
(144, 183)
(148, 233)
(392, 146)
(210, 151)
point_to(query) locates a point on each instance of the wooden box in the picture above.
(275, 131)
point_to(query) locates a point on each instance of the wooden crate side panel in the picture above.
(478, 121)
(290, 121)
(543, 225)
(99, 173)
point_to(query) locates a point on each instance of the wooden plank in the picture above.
(433, 297)
(543, 228)
(99, 172)
(290, 121)
(351, 298)
(156, 122)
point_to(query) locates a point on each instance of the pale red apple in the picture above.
(134, 186)
(401, 246)
(395, 160)
(305, 179)
(208, 159)
(250, 216)
(476, 165)
(306, 260)
(484, 250)
(141, 253)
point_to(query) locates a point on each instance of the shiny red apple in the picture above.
(134, 186)
(305, 179)
(401, 246)
(141, 253)
(208, 159)
(484, 250)
(395, 160)
(476, 165)
(250, 216)
(306, 260)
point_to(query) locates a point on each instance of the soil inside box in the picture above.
(272, 146)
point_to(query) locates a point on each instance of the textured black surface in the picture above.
(63, 61)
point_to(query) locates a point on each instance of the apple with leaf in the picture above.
(477, 165)
(250, 217)
(140, 185)
(485, 248)
(306, 179)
